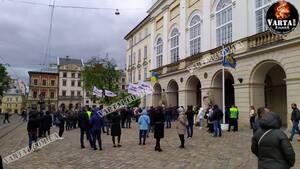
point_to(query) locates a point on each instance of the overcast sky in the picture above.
(78, 33)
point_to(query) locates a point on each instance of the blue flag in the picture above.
(228, 60)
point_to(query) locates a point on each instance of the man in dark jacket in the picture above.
(217, 116)
(295, 119)
(190, 116)
(32, 127)
(83, 124)
(271, 145)
(47, 123)
(96, 123)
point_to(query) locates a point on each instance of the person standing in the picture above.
(83, 124)
(61, 119)
(116, 128)
(200, 117)
(217, 116)
(182, 124)
(190, 116)
(233, 118)
(252, 116)
(144, 123)
(128, 117)
(158, 122)
(168, 114)
(123, 117)
(32, 127)
(6, 117)
(295, 117)
(47, 123)
(271, 145)
(96, 122)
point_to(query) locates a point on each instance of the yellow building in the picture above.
(13, 101)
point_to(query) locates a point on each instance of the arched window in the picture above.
(261, 8)
(224, 22)
(159, 52)
(195, 35)
(174, 45)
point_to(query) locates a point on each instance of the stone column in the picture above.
(182, 98)
(242, 100)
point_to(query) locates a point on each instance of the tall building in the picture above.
(184, 39)
(43, 90)
(70, 84)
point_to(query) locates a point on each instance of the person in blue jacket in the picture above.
(96, 123)
(144, 123)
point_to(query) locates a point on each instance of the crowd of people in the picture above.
(269, 143)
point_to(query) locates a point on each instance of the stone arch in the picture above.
(217, 86)
(157, 95)
(268, 87)
(172, 93)
(193, 91)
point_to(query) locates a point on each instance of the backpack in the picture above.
(297, 115)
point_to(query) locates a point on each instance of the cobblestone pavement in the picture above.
(202, 151)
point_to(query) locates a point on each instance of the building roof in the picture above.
(43, 72)
(142, 23)
(67, 60)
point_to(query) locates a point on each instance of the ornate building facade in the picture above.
(184, 44)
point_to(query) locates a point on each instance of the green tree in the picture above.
(4, 80)
(101, 73)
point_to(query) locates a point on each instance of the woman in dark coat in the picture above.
(271, 145)
(116, 128)
(158, 122)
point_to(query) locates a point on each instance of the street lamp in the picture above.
(117, 12)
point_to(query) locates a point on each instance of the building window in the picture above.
(44, 82)
(87, 94)
(139, 55)
(159, 52)
(123, 87)
(7, 99)
(140, 36)
(195, 35)
(123, 80)
(52, 82)
(145, 52)
(79, 75)
(64, 93)
(79, 83)
(78, 93)
(86, 102)
(145, 73)
(52, 95)
(73, 75)
(35, 81)
(139, 75)
(65, 74)
(261, 8)
(73, 83)
(64, 82)
(72, 93)
(224, 22)
(174, 45)
(43, 94)
(34, 94)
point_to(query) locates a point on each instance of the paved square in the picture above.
(202, 151)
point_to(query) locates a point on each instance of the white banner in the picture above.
(97, 92)
(109, 93)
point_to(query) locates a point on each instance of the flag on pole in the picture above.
(154, 76)
(97, 92)
(110, 93)
(228, 60)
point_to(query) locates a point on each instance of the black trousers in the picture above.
(181, 136)
(46, 131)
(61, 130)
(157, 143)
(114, 139)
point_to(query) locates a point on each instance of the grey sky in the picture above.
(78, 33)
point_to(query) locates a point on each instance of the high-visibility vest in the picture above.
(89, 114)
(233, 113)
